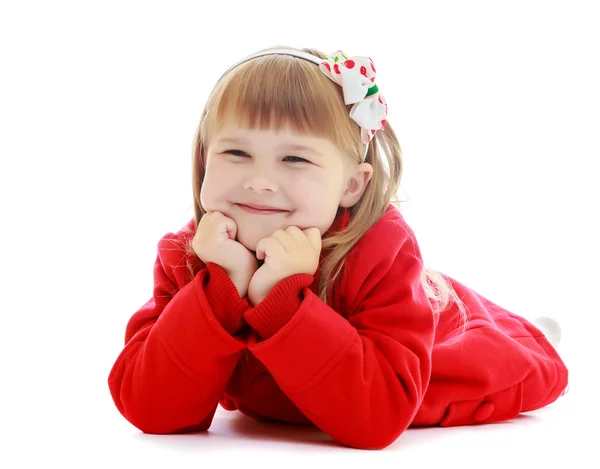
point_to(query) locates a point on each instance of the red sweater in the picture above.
(363, 369)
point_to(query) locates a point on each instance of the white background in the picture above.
(496, 106)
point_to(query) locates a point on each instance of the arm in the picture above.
(360, 379)
(178, 356)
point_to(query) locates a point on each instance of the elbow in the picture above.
(157, 419)
(374, 432)
(159, 413)
(152, 428)
(155, 422)
(144, 419)
(374, 437)
(147, 423)
(375, 423)
(139, 414)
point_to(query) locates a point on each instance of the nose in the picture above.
(260, 184)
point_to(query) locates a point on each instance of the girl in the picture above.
(298, 293)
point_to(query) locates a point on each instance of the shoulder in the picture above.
(388, 247)
(388, 235)
(383, 266)
(175, 254)
(181, 236)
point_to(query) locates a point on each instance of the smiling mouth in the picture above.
(257, 211)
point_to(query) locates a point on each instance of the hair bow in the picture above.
(356, 76)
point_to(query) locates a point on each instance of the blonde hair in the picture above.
(271, 91)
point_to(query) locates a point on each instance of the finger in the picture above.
(260, 249)
(271, 247)
(226, 225)
(299, 236)
(296, 234)
(288, 243)
(314, 238)
(231, 228)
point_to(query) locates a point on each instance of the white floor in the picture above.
(75, 424)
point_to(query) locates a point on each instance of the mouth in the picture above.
(260, 211)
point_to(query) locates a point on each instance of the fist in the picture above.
(215, 242)
(285, 253)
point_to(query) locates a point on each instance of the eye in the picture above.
(298, 159)
(294, 159)
(235, 151)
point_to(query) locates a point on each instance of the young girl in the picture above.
(298, 293)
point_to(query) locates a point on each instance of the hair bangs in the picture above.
(280, 92)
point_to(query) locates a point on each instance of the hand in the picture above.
(286, 253)
(215, 242)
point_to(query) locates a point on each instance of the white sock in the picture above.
(551, 329)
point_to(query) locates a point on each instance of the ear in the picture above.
(356, 184)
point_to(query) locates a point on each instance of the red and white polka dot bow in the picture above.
(356, 76)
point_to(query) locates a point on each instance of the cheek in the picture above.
(216, 185)
(318, 192)
(318, 199)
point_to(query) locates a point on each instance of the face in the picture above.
(264, 168)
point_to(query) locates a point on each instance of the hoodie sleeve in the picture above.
(359, 374)
(178, 356)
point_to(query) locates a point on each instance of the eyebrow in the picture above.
(288, 146)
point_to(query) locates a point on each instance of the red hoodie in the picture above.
(363, 369)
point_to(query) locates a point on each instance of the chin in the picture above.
(249, 242)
